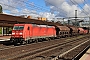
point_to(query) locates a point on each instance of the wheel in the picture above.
(15, 43)
(36, 40)
(27, 42)
(52, 38)
(49, 39)
(23, 42)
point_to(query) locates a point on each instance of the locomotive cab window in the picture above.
(18, 28)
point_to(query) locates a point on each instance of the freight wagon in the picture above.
(83, 30)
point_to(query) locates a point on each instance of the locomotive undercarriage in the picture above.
(17, 40)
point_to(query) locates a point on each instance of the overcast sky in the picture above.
(46, 8)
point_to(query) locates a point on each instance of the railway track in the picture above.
(7, 45)
(73, 54)
(52, 53)
(35, 51)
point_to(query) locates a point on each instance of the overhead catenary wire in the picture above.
(87, 4)
(80, 6)
(35, 6)
(84, 4)
(85, 12)
(58, 8)
(46, 10)
(41, 8)
(13, 7)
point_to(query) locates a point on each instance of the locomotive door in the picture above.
(28, 32)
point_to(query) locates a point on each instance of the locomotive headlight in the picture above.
(20, 33)
(13, 33)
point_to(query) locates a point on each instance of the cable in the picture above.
(11, 7)
(87, 4)
(80, 6)
(56, 7)
(35, 6)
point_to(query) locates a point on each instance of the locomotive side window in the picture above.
(28, 28)
(18, 28)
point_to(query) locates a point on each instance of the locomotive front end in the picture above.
(17, 34)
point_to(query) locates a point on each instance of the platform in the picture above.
(86, 56)
(5, 38)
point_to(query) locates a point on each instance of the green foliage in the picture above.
(0, 30)
(10, 30)
(0, 9)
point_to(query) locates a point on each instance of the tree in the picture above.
(0, 9)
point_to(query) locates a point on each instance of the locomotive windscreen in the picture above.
(18, 28)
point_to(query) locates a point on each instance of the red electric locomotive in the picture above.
(25, 33)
